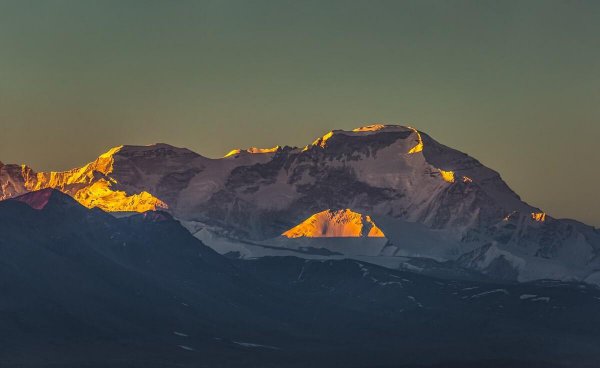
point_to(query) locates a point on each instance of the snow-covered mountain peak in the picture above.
(380, 128)
(371, 135)
(157, 150)
(252, 151)
(430, 200)
(370, 128)
(343, 223)
(154, 154)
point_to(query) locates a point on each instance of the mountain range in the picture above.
(426, 203)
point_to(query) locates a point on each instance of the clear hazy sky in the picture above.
(515, 84)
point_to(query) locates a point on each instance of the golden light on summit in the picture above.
(538, 216)
(419, 146)
(82, 184)
(253, 150)
(263, 150)
(369, 128)
(447, 176)
(321, 142)
(233, 152)
(336, 224)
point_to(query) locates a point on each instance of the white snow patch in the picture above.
(489, 292)
(253, 345)
(365, 271)
(414, 300)
(541, 299)
(527, 296)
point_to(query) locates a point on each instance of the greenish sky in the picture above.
(515, 84)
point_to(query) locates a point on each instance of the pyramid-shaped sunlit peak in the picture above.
(343, 223)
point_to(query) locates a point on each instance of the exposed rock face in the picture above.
(429, 200)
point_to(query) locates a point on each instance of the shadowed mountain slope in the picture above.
(82, 288)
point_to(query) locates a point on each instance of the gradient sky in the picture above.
(514, 84)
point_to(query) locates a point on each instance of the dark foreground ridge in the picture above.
(81, 288)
